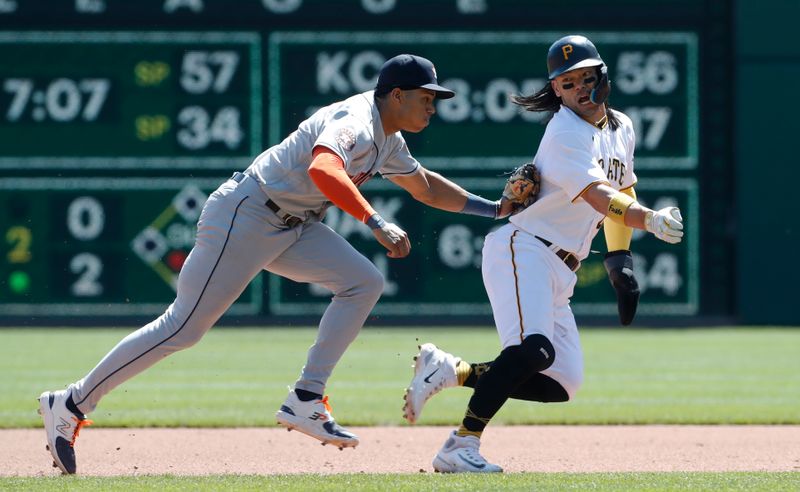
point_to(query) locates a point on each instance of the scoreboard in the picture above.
(122, 100)
(654, 82)
(117, 119)
(99, 246)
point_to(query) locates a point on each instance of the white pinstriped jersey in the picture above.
(350, 128)
(572, 155)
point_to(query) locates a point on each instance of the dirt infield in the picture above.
(410, 450)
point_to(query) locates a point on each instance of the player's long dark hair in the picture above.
(545, 99)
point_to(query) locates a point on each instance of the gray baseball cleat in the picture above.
(461, 454)
(434, 370)
(62, 428)
(313, 418)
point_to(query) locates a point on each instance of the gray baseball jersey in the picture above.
(238, 236)
(350, 128)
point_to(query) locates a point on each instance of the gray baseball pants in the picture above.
(238, 237)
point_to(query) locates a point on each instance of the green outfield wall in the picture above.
(767, 223)
(118, 118)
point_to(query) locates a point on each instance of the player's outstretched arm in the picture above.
(433, 190)
(436, 191)
(666, 223)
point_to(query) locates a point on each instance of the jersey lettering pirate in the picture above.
(352, 130)
(573, 155)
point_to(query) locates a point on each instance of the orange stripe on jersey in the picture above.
(327, 172)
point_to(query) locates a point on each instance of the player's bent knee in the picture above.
(534, 354)
(362, 283)
(538, 351)
(376, 280)
(372, 282)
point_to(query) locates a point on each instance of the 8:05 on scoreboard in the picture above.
(654, 74)
(117, 100)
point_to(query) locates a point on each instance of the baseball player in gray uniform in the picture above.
(269, 218)
(585, 168)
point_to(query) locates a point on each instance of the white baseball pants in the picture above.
(529, 288)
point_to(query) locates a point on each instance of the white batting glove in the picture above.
(666, 224)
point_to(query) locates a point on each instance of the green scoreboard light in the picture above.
(442, 274)
(93, 246)
(122, 100)
(654, 74)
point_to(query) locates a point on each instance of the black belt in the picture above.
(568, 258)
(289, 220)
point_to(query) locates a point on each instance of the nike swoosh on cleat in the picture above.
(333, 429)
(472, 463)
(428, 379)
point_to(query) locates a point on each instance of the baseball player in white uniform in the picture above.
(269, 218)
(585, 163)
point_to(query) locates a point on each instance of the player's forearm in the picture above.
(666, 223)
(441, 193)
(636, 216)
(606, 200)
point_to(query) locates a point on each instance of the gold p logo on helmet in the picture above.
(569, 53)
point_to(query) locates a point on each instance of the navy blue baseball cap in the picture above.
(410, 72)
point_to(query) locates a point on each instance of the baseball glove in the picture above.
(522, 186)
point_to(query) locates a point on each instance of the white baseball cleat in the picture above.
(460, 454)
(62, 428)
(434, 370)
(314, 419)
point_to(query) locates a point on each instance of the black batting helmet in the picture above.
(569, 53)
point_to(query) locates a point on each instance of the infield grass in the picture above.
(424, 482)
(239, 377)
